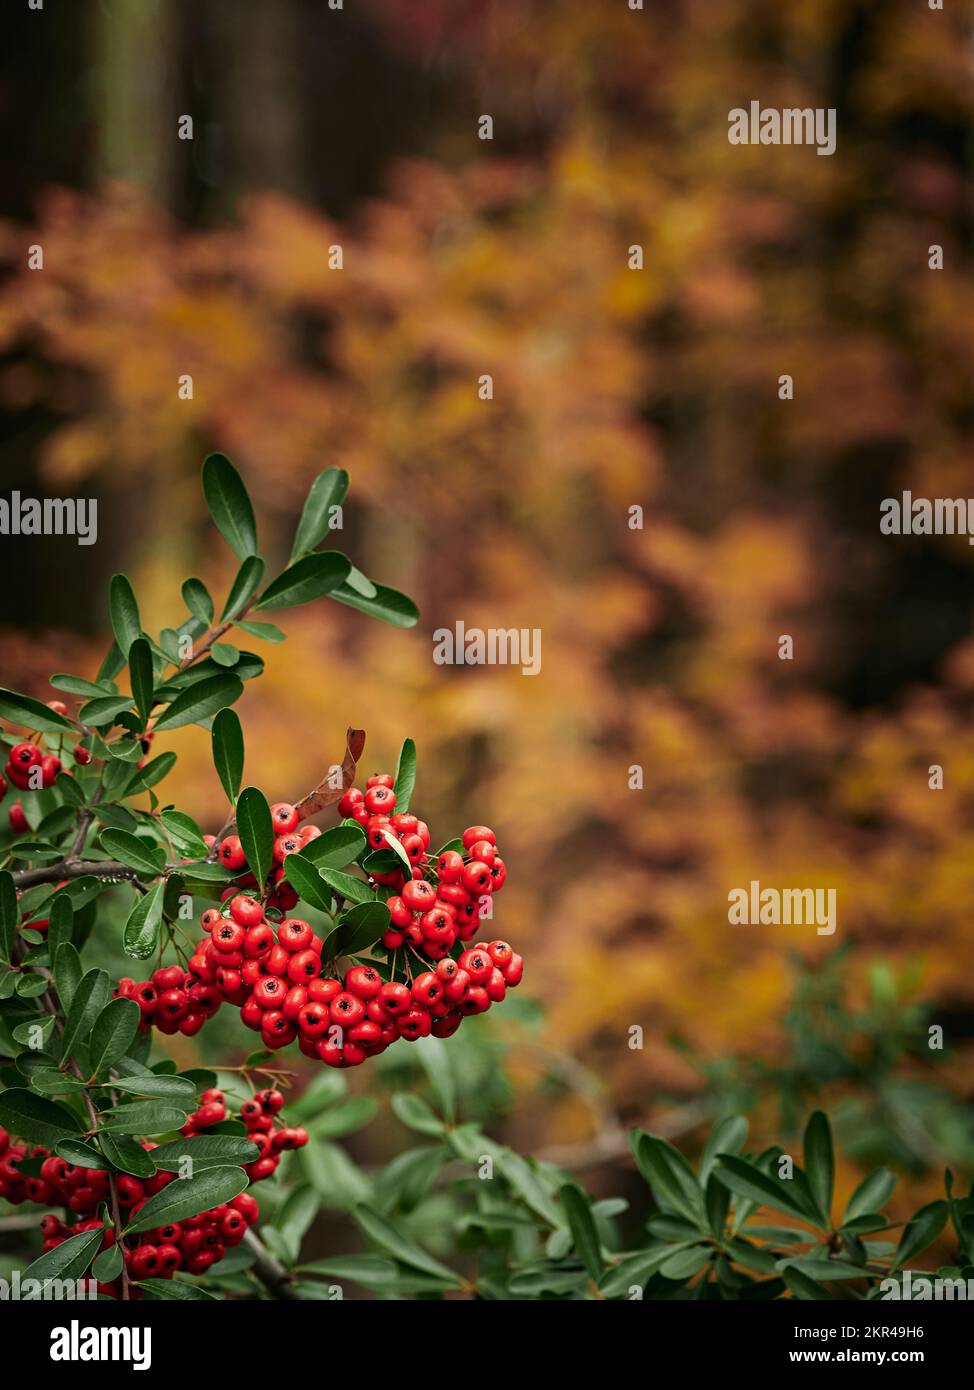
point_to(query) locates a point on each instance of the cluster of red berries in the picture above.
(29, 768)
(193, 1244)
(174, 1000)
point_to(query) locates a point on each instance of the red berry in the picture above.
(229, 936)
(380, 800)
(396, 998)
(418, 895)
(304, 966)
(295, 934)
(473, 833)
(246, 910)
(347, 1009)
(284, 817)
(381, 779)
(363, 981)
(231, 853)
(350, 803)
(476, 877)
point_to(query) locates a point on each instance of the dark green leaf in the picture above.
(312, 577)
(671, 1178)
(228, 751)
(35, 1119)
(31, 714)
(415, 1113)
(820, 1163)
(347, 886)
(67, 1261)
(8, 914)
(197, 599)
(359, 928)
(585, 1238)
(108, 1265)
(176, 1088)
(146, 1117)
(190, 1196)
(176, 1289)
(389, 605)
(335, 848)
(921, 1230)
(140, 935)
(104, 710)
(114, 1031)
(201, 700)
(803, 1287)
(327, 491)
(76, 1151)
(229, 505)
(67, 973)
(126, 1154)
(90, 998)
(148, 860)
(405, 776)
(153, 772)
(745, 1180)
(307, 882)
(205, 1151)
(388, 1238)
(264, 632)
(184, 833)
(244, 586)
(871, 1195)
(77, 685)
(124, 612)
(256, 831)
(140, 669)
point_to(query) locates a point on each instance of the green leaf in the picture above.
(124, 612)
(256, 831)
(685, 1263)
(108, 1265)
(126, 1154)
(197, 599)
(68, 971)
(90, 998)
(114, 1031)
(871, 1195)
(204, 872)
(745, 1180)
(264, 632)
(76, 1151)
(140, 669)
(335, 848)
(388, 1238)
(77, 685)
(388, 605)
(36, 1120)
(104, 710)
(147, 860)
(201, 700)
(821, 1267)
(819, 1163)
(405, 776)
(67, 1261)
(415, 1113)
(184, 832)
(51, 1082)
(8, 914)
(145, 1117)
(327, 491)
(728, 1136)
(634, 1271)
(672, 1180)
(358, 929)
(31, 714)
(140, 934)
(228, 751)
(189, 1196)
(371, 1271)
(175, 1088)
(581, 1222)
(229, 505)
(921, 1230)
(309, 578)
(244, 586)
(347, 886)
(306, 881)
(154, 771)
(205, 1151)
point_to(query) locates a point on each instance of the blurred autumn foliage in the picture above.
(612, 388)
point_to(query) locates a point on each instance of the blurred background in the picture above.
(613, 388)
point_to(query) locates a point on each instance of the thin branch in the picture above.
(269, 1269)
(79, 868)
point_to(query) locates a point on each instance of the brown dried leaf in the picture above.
(323, 794)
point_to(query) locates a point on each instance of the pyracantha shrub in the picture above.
(91, 1123)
